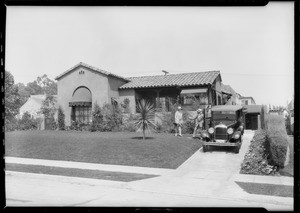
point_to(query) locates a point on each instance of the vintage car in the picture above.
(226, 127)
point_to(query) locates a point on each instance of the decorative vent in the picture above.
(81, 72)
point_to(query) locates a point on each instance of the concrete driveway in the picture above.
(204, 180)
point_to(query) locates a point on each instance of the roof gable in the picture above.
(95, 69)
(170, 80)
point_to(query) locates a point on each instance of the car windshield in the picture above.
(221, 115)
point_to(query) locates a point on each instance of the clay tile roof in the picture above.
(92, 68)
(170, 80)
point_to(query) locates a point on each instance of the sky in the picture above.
(252, 47)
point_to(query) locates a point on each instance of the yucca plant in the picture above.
(145, 117)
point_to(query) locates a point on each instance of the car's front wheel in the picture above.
(237, 148)
(205, 148)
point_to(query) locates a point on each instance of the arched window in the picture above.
(81, 105)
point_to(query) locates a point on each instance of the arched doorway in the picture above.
(81, 104)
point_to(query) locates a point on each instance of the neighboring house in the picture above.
(238, 99)
(163, 89)
(274, 111)
(252, 116)
(33, 106)
(247, 100)
(80, 87)
(230, 97)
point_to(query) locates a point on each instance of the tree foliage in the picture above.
(27, 122)
(42, 85)
(48, 108)
(97, 118)
(61, 119)
(12, 98)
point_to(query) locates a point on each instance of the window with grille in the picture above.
(83, 114)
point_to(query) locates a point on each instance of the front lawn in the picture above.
(118, 148)
(267, 189)
(288, 170)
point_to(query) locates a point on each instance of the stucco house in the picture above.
(81, 86)
(247, 100)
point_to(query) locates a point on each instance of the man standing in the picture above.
(199, 119)
(178, 121)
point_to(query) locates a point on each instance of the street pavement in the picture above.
(204, 180)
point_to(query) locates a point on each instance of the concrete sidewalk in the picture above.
(191, 172)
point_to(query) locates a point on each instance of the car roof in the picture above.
(228, 108)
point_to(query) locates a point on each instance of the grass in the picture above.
(288, 170)
(117, 148)
(83, 173)
(267, 189)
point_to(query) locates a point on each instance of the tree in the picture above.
(61, 118)
(42, 85)
(97, 118)
(48, 109)
(145, 119)
(12, 98)
(23, 92)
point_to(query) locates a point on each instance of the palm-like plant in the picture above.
(145, 117)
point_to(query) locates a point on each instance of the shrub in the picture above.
(255, 161)
(128, 123)
(61, 119)
(262, 117)
(277, 140)
(97, 119)
(11, 124)
(166, 123)
(112, 118)
(27, 122)
(145, 117)
(125, 105)
(188, 124)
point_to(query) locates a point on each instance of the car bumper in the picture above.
(221, 144)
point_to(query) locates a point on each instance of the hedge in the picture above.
(277, 140)
(255, 161)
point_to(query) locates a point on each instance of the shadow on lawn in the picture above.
(141, 138)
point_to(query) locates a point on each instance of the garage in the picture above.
(252, 116)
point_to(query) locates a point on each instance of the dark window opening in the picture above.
(82, 114)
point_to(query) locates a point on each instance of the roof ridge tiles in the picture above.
(162, 75)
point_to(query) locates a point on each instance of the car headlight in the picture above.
(237, 135)
(211, 130)
(229, 131)
(204, 135)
